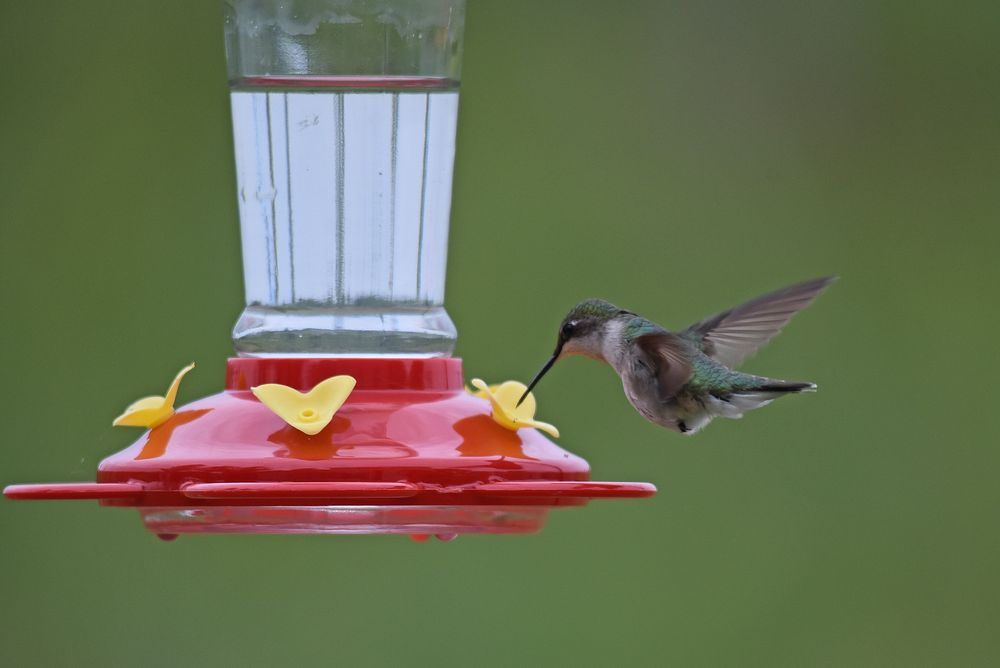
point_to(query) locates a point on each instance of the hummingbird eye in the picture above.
(568, 329)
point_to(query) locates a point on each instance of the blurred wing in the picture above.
(734, 335)
(663, 354)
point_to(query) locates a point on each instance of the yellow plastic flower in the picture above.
(152, 411)
(506, 412)
(309, 412)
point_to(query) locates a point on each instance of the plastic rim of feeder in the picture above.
(409, 452)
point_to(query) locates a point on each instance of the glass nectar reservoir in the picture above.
(344, 116)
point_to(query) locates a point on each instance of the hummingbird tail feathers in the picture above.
(734, 404)
(762, 392)
(784, 386)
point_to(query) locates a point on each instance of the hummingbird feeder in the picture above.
(344, 411)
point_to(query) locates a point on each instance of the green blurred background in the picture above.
(676, 158)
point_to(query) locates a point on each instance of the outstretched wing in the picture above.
(662, 354)
(734, 335)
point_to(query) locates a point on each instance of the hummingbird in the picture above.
(683, 380)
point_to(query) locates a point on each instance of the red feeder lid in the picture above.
(409, 452)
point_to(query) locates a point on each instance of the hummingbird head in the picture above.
(580, 333)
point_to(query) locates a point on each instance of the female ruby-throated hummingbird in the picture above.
(685, 379)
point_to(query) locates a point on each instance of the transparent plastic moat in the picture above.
(445, 522)
(344, 188)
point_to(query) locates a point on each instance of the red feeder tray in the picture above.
(409, 452)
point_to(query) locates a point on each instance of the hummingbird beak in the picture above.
(538, 376)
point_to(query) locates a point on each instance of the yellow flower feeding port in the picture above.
(311, 411)
(506, 411)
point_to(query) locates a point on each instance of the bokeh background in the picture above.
(675, 158)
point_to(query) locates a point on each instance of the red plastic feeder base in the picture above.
(409, 452)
